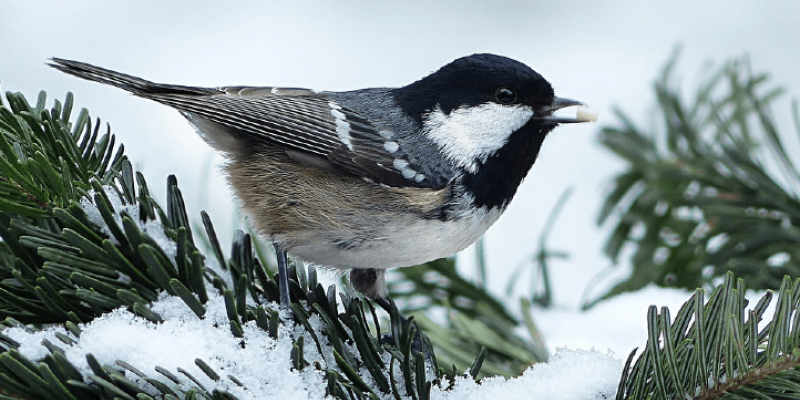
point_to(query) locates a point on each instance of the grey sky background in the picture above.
(606, 54)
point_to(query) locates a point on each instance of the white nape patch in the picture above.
(469, 135)
(342, 126)
(391, 147)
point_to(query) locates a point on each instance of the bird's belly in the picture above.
(405, 241)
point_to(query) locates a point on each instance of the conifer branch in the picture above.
(104, 243)
(701, 195)
(720, 348)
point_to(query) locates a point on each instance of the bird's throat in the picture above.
(496, 180)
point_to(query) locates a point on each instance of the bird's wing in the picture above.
(305, 121)
(300, 120)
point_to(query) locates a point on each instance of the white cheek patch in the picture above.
(469, 135)
(342, 126)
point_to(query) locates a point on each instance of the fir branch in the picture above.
(42, 204)
(719, 348)
(476, 321)
(101, 246)
(757, 375)
(699, 197)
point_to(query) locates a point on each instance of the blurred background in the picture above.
(606, 54)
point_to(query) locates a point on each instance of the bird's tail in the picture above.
(135, 85)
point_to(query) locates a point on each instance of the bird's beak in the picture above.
(583, 114)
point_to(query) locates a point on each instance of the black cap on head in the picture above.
(473, 80)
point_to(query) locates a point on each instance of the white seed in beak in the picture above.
(586, 114)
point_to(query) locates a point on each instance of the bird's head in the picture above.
(488, 115)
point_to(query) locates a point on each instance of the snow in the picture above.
(591, 329)
(152, 228)
(262, 364)
(264, 368)
(575, 371)
(586, 363)
(569, 374)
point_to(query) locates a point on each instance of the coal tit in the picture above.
(373, 178)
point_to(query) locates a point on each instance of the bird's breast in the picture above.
(405, 240)
(342, 221)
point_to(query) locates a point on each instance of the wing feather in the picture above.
(302, 121)
(299, 119)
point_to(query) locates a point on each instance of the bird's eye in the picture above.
(505, 95)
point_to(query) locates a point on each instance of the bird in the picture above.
(371, 179)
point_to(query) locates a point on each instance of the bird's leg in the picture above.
(283, 277)
(371, 283)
